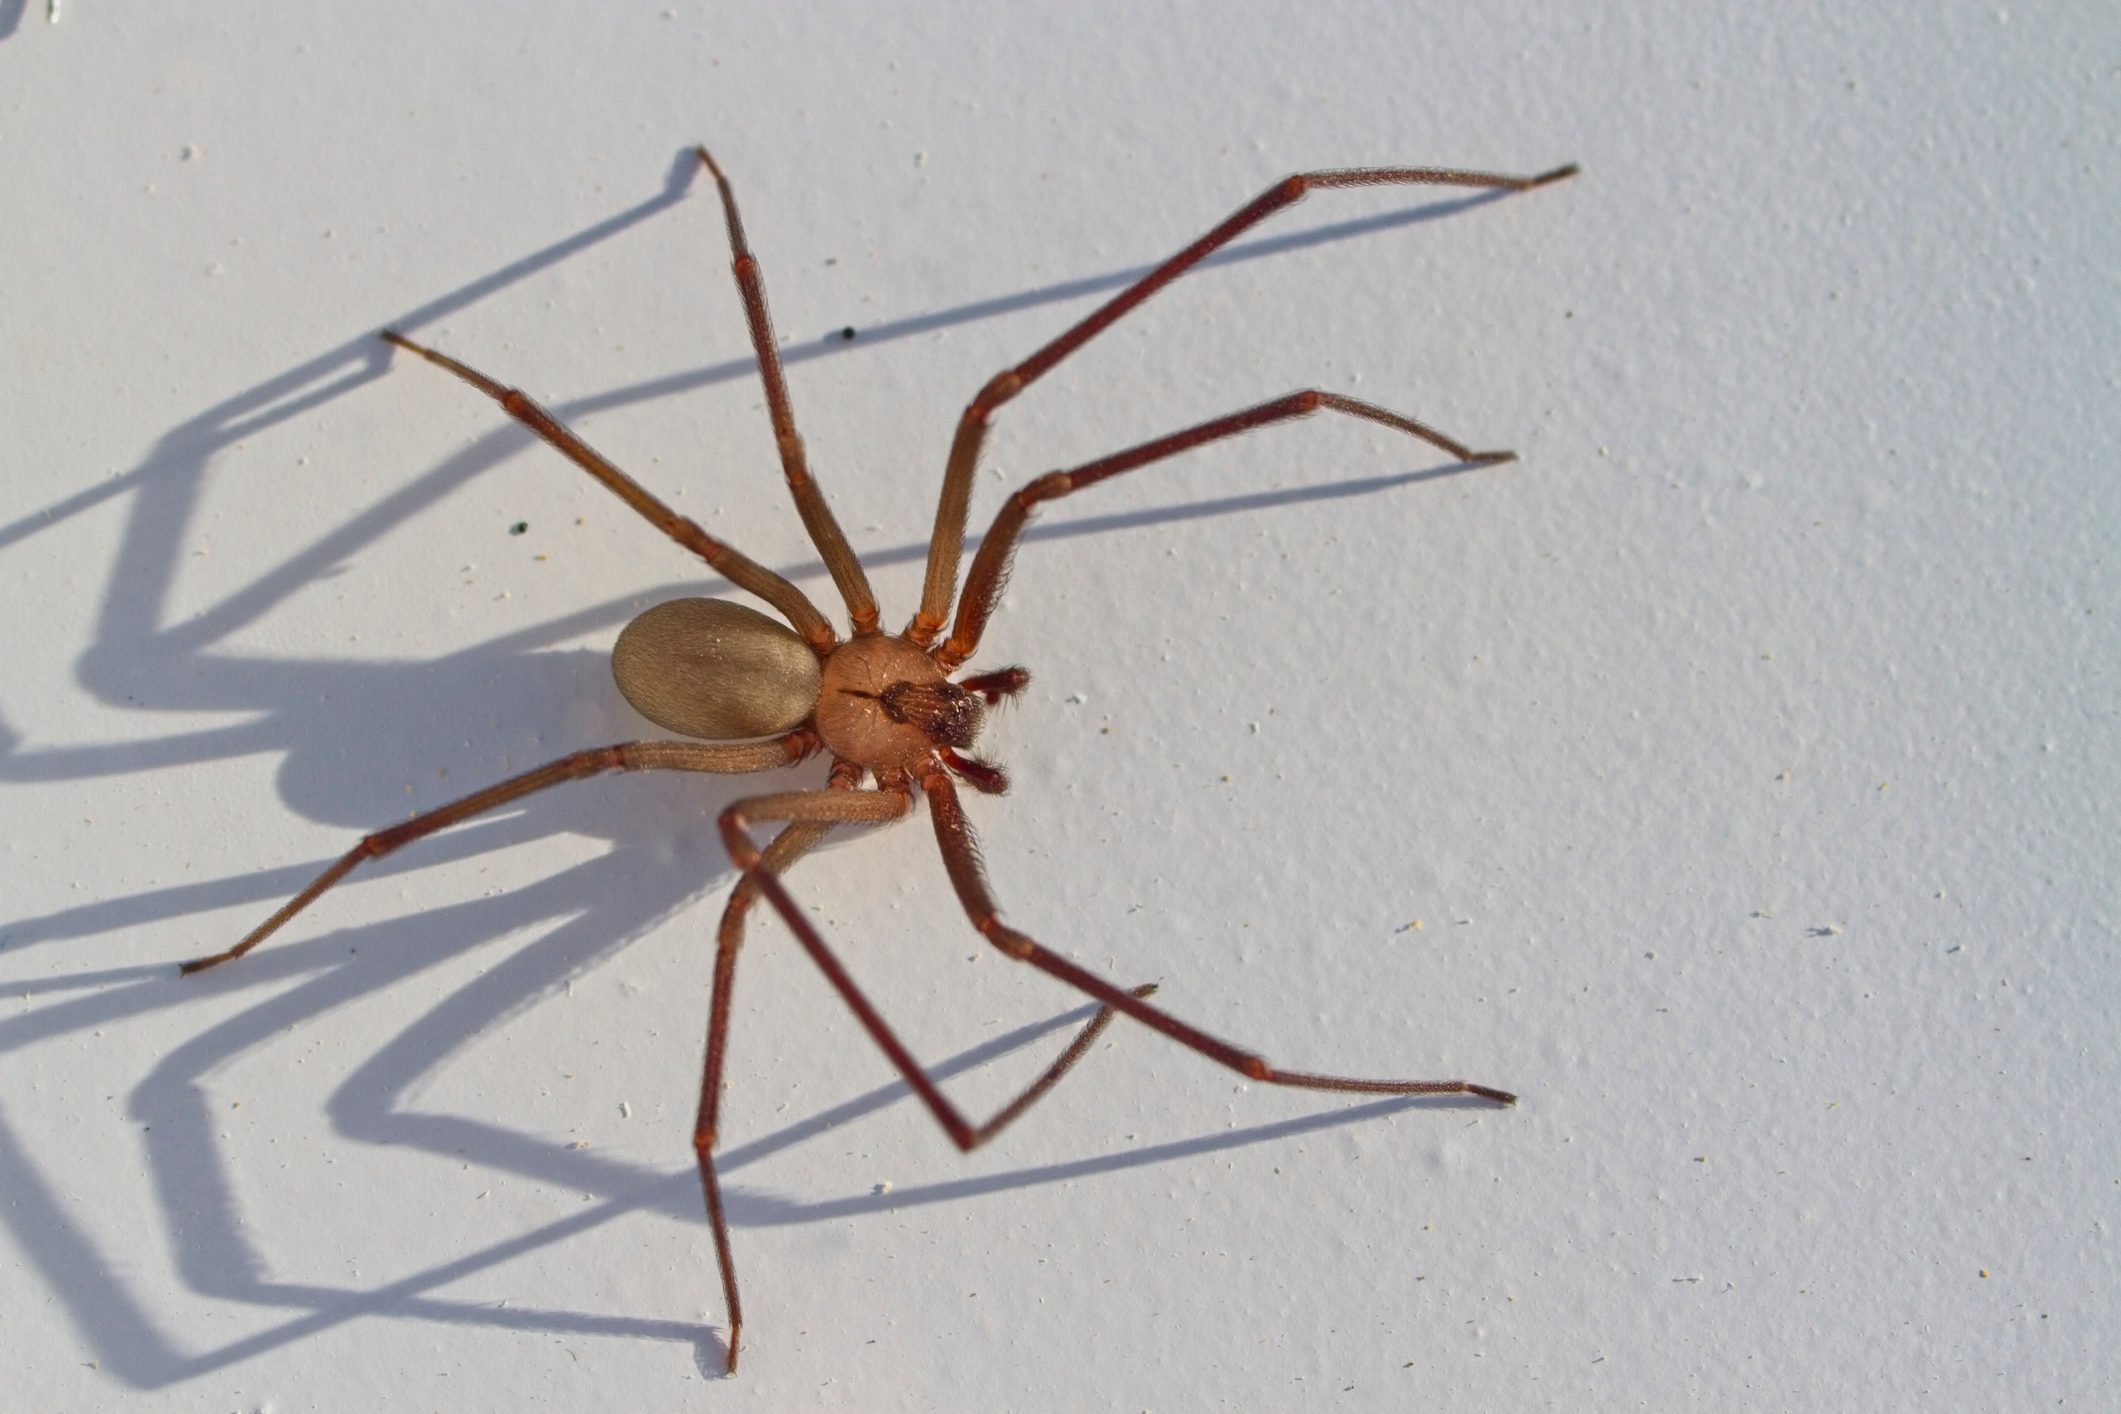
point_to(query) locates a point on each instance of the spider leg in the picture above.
(893, 801)
(948, 540)
(784, 849)
(787, 847)
(791, 844)
(810, 815)
(733, 565)
(990, 567)
(626, 756)
(961, 857)
(809, 500)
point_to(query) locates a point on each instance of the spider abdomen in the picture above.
(708, 668)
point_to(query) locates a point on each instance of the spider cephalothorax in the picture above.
(712, 669)
(755, 694)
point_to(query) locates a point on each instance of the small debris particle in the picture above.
(625, 1110)
(1984, 1273)
(190, 153)
(847, 334)
(1412, 925)
(885, 1187)
(519, 527)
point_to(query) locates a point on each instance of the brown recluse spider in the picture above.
(759, 695)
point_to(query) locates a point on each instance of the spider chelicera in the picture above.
(756, 694)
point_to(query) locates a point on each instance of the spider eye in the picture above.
(716, 670)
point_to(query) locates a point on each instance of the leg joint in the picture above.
(1015, 944)
(792, 462)
(1050, 487)
(1000, 389)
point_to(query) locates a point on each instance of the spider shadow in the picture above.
(352, 735)
(215, 1257)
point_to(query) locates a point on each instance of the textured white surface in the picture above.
(1748, 752)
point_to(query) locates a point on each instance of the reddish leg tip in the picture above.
(1492, 458)
(1500, 1097)
(994, 686)
(1559, 174)
(980, 775)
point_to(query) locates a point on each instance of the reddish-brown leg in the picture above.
(962, 1132)
(626, 756)
(948, 540)
(990, 567)
(809, 500)
(738, 568)
(787, 847)
(961, 857)
(814, 814)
